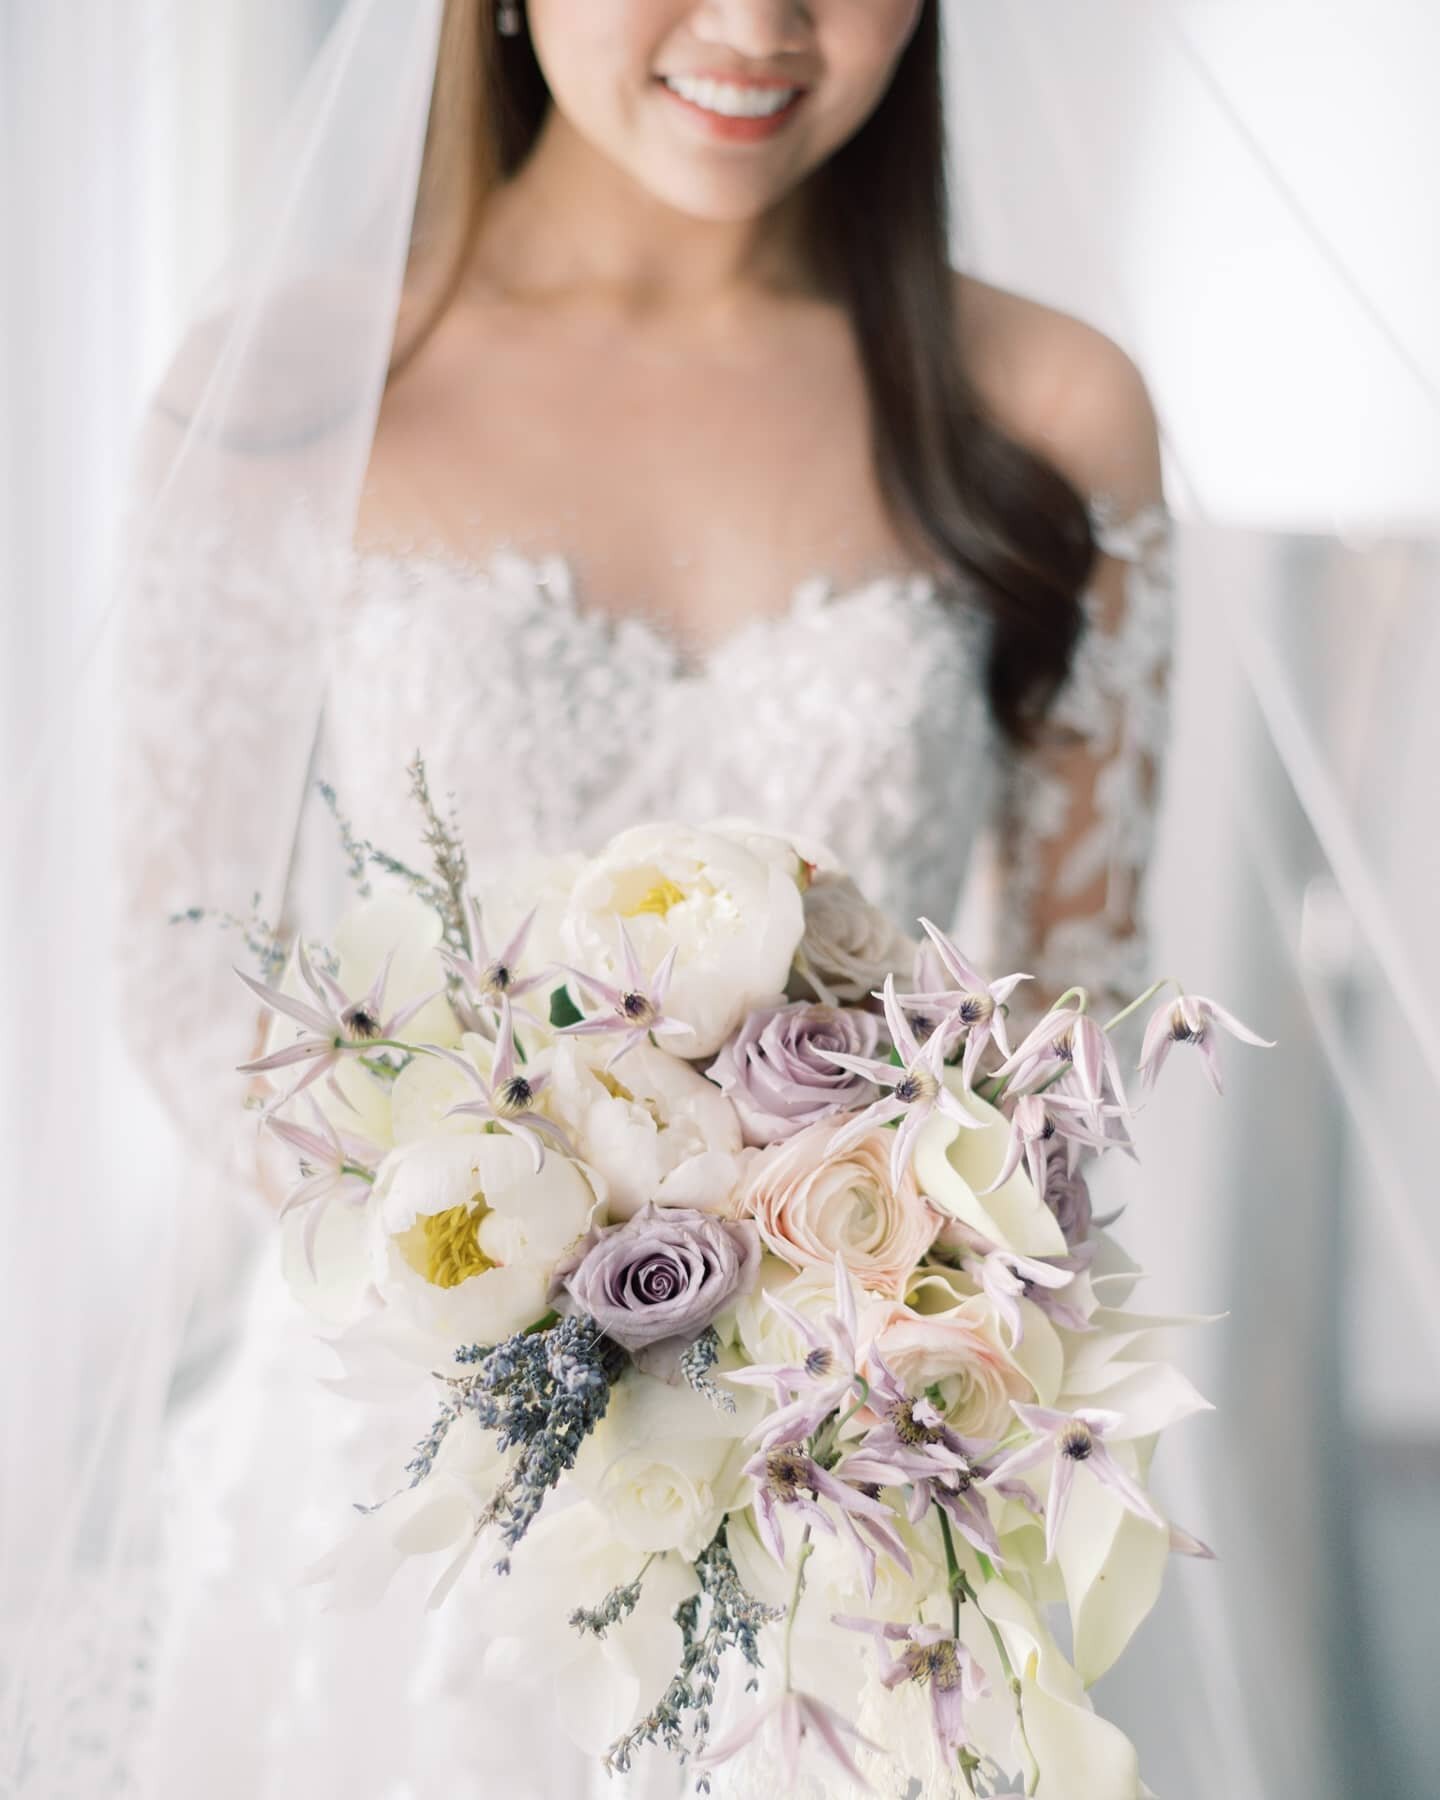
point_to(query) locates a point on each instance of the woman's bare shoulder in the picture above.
(1062, 387)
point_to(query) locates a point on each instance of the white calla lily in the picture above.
(952, 1166)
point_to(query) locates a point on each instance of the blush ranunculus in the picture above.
(959, 1355)
(812, 1204)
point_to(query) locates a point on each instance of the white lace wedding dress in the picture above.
(860, 717)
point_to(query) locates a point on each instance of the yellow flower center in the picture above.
(616, 1089)
(658, 898)
(444, 1247)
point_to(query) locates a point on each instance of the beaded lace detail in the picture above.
(1076, 814)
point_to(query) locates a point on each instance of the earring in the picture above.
(509, 20)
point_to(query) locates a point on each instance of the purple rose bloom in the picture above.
(663, 1274)
(777, 1076)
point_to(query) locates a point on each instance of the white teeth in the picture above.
(731, 99)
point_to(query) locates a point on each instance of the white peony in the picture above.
(465, 1234)
(653, 1127)
(404, 924)
(734, 919)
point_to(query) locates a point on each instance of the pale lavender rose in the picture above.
(1067, 1194)
(849, 946)
(662, 1275)
(778, 1075)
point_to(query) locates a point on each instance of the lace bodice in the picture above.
(858, 717)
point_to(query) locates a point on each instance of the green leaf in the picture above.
(563, 1010)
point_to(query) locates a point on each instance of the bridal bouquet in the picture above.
(741, 1260)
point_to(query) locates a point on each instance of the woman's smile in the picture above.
(735, 112)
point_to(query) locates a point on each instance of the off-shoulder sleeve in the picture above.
(1075, 818)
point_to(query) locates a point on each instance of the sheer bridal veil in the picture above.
(1170, 170)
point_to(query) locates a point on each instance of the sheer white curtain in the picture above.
(1238, 190)
(123, 129)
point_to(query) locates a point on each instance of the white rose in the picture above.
(734, 919)
(465, 1234)
(653, 1127)
(663, 1465)
(765, 1335)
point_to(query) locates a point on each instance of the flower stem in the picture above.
(806, 1550)
(956, 1578)
(850, 1413)
(1149, 994)
(1033, 1781)
(389, 1044)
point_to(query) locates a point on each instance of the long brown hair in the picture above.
(954, 483)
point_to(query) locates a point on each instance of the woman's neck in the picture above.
(572, 224)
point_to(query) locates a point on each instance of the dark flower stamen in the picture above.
(361, 1022)
(911, 1430)
(1076, 1442)
(936, 1663)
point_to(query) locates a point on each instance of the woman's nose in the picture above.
(754, 28)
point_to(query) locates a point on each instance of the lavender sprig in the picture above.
(362, 852)
(442, 839)
(544, 1391)
(265, 942)
(733, 1619)
(697, 1364)
(614, 1609)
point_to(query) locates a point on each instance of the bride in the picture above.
(693, 450)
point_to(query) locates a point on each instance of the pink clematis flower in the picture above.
(1188, 1020)
(799, 1716)
(1035, 1121)
(508, 1098)
(913, 1447)
(1008, 1278)
(1074, 1438)
(637, 1008)
(930, 1655)
(334, 1165)
(917, 1088)
(972, 1004)
(787, 1476)
(808, 1392)
(339, 1026)
(487, 979)
(1069, 1041)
